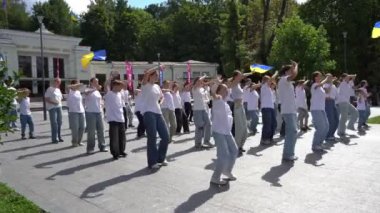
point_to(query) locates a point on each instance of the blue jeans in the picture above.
(202, 126)
(332, 116)
(55, 116)
(321, 125)
(76, 121)
(290, 134)
(362, 118)
(254, 116)
(155, 123)
(269, 123)
(94, 123)
(368, 112)
(226, 154)
(24, 120)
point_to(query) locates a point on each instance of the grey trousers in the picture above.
(240, 121)
(170, 120)
(303, 117)
(346, 111)
(202, 126)
(129, 114)
(94, 122)
(76, 121)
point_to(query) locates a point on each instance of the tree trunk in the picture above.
(280, 19)
(263, 57)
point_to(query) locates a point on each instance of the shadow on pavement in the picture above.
(61, 160)
(25, 148)
(72, 170)
(139, 149)
(275, 173)
(44, 152)
(198, 199)
(313, 158)
(256, 150)
(172, 157)
(211, 166)
(96, 189)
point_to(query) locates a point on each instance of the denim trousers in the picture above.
(117, 138)
(26, 120)
(141, 126)
(240, 121)
(170, 120)
(76, 121)
(269, 123)
(226, 154)
(290, 134)
(55, 116)
(321, 125)
(202, 126)
(94, 121)
(254, 120)
(346, 110)
(368, 112)
(362, 118)
(155, 123)
(332, 117)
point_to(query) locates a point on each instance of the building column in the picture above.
(34, 74)
(50, 68)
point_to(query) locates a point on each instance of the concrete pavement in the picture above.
(59, 178)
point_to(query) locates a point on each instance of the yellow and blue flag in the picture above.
(259, 68)
(376, 30)
(100, 55)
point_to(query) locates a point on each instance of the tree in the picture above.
(17, 18)
(303, 43)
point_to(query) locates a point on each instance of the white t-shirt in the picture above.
(229, 98)
(344, 92)
(114, 106)
(168, 102)
(287, 96)
(138, 103)
(75, 101)
(25, 106)
(333, 91)
(361, 103)
(237, 92)
(150, 95)
(177, 100)
(126, 97)
(266, 95)
(186, 96)
(253, 100)
(200, 101)
(301, 97)
(93, 102)
(221, 117)
(246, 92)
(54, 94)
(14, 102)
(318, 98)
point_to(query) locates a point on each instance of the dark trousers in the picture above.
(141, 126)
(182, 121)
(282, 130)
(188, 111)
(125, 117)
(117, 138)
(231, 105)
(269, 123)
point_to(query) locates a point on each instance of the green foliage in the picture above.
(17, 16)
(301, 42)
(13, 202)
(374, 120)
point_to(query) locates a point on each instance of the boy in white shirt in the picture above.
(303, 113)
(25, 113)
(115, 118)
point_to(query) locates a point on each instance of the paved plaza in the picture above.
(60, 178)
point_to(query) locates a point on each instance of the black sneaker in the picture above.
(61, 140)
(23, 138)
(123, 154)
(32, 137)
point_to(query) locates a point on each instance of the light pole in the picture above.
(345, 51)
(40, 19)
(159, 68)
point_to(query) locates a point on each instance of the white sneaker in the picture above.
(164, 163)
(155, 166)
(208, 144)
(230, 177)
(218, 182)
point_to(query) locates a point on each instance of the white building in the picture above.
(62, 54)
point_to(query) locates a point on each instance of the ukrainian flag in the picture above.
(376, 30)
(259, 68)
(100, 55)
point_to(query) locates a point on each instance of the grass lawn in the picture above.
(11, 201)
(374, 120)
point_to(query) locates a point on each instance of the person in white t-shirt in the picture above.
(53, 98)
(154, 122)
(366, 94)
(363, 106)
(115, 118)
(168, 109)
(303, 112)
(253, 107)
(94, 117)
(288, 109)
(180, 114)
(226, 148)
(330, 108)
(201, 114)
(246, 90)
(25, 113)
(128, 105)
(138, 106)
(267, 110)
(317, 109)
(76, 113)
(346, 109)
(186, 100)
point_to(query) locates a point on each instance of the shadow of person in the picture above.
(313, 158)
(362, 133)
(96, 189)
(256, 150)
(198, 199)
(275, 173)
(60, 160)
(139, 149)
(172, 157)
(26, 147)
(211, 166)
(44, 152)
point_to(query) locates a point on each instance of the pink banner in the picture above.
(188, 69)
(129, 73)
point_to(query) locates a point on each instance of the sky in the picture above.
(80, 6)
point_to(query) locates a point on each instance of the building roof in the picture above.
(8, 34)
(168, 63)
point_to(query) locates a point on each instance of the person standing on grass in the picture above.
(330, 107)
(25, 113)
(94, 117)
(53, 98)
(76, 113)
(301, 103)
(226, 148)
(288, 109)
(151, 95)
(115, 118)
